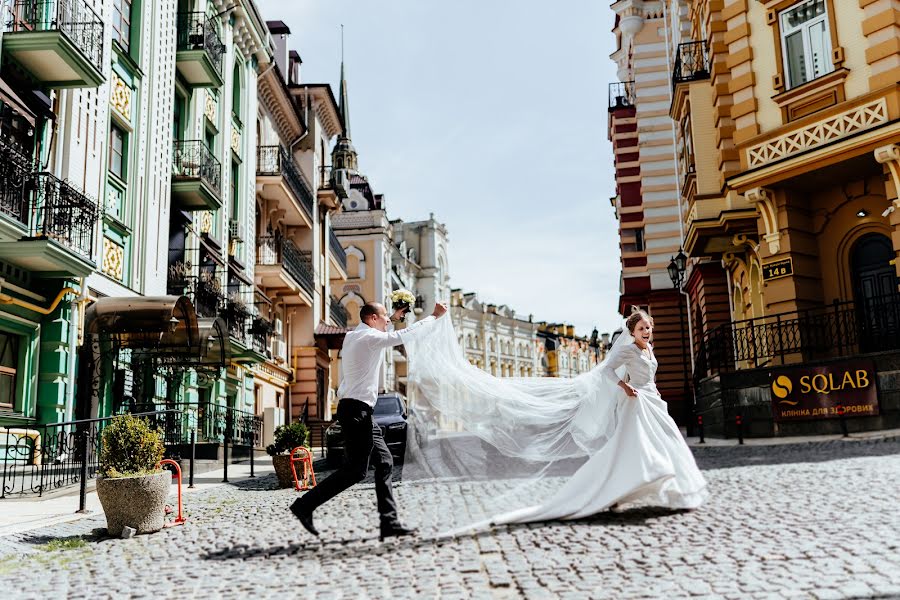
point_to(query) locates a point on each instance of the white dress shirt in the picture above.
(361, 359)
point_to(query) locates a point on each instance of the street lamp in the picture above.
(677, 267)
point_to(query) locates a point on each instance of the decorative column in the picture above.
(889, 157)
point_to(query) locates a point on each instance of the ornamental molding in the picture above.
(211, 107)
(765, 203)
(113, 259)
(818, 134)
(120, 96)
(235, 141)
(890, 156)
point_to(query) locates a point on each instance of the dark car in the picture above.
(389, 415)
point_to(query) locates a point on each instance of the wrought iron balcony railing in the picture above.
(16, 173)
(261, 330)
(205, 292)
(74, 18)
(197, 31)
(691, 63)
(237, 315)
(621, 95)
(193, 160)
(337, 250)
(831, 331)
(339, 314)
(274, 160)
(61, 212)
(277, 250)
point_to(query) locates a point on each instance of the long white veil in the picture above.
(502, 443)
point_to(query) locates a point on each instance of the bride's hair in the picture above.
(635, 317)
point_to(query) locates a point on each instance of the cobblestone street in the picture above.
(815, 520)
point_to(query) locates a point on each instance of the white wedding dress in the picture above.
(646, 460)
(539, 449)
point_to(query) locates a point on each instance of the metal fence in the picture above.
(197, 31)
(621, 95)
(193, 160)
(839, 329)
(691, 63)
(62, 212)
(38, 459)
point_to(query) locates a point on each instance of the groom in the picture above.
(361, 359)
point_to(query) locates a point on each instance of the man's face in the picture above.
(380, 320)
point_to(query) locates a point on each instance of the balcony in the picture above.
(691, 63)
(59, 42)
(204, 291)
(196, 176)
(283, 182)
(200, 51)
(332, 185)
(53, 220)
(339, 314)
(621, 95)
(338, 255)
(16, 172)
(261, 331)
(282, 267)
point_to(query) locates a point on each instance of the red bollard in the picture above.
(305, 459)
(739, 421)
(179, 520)
(841, 412)
(700, 427)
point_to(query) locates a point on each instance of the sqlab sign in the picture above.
(824, 392)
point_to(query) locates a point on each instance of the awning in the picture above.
(11, 98)
(331, 335)
(162, 322)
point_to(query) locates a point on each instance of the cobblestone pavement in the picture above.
(815, 520)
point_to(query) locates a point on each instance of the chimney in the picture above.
(280, 33)
(294, 68)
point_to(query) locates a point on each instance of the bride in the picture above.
(567, 448)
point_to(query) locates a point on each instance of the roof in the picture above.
(326, 329)
(277, 27)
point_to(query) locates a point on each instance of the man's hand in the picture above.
(439, 310)
(399, 314)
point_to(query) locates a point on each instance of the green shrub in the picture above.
(129, 447)
(288, 437)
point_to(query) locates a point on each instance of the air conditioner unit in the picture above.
(341, 182)
(279, 327)
(234, 230)
(279, 349)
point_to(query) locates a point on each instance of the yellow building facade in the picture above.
(786, 121)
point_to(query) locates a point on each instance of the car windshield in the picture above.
(387, 405)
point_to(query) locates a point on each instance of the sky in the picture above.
(491, 114)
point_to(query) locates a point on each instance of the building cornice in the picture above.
(324, 103)
(276, 99)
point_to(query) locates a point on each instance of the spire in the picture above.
(344, 154)
(345, 104)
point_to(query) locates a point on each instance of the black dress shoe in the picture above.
(395, 530)
(304, 517)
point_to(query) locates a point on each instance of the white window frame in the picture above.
(804, 28)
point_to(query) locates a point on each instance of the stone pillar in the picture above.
(889, 157)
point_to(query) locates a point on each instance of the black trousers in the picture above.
(363, 443)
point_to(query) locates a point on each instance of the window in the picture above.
(639, 239)
(117, 151)
(9, 364)
(236, 93)
(805, 42)
(235, 188)
(121, 23)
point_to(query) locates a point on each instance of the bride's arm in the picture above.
(617, 357)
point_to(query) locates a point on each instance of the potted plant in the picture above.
(287, 437)
(131, 488)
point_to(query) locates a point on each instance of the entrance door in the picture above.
(875, 293)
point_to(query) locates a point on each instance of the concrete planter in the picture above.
(282, 464)
(137, 502)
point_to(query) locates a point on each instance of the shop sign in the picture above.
(824, 392)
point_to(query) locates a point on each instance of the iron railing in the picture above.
(73, 18)
(339, 313)
(278, 250)
(337, 250)
(37, 459)
(621, 95)
(691, 63)
(205, 292)
(261, 334)
(836, 330)
(16, 171)
(274, 160)
(237, 316)
(196, 31)
(193, 160)
(63, 213)
(42, 458)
